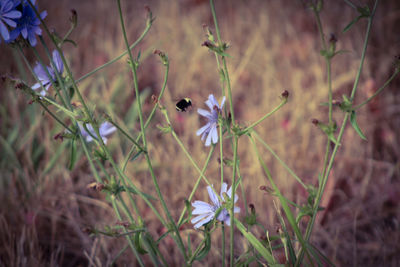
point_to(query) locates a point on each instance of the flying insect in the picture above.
(183, 104)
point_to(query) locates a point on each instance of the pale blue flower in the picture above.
(28, 24)
(46, 79)
(210, 129)
(206, 212)
(8, 14)
(105, 129)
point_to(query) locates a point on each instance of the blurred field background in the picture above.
(44, 207)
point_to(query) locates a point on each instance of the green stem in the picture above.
(177, 237)
(279, 159)
(284, 101)
(128, 238)
(379, 90)
(150, 116)
(188, 154)
(148, 26)
(232, 214)
(226, 74)
(223, 244)
(196, 185)
(284, 202)
(324, 180)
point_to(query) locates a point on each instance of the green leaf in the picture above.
(351, 24)
(255, 243)
(207, 246)
(353, 121)
(138, 244)
(70, 41)
(72, 158)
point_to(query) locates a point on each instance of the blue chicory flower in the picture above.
(28, 24)
(206, 212)
(210, 129)
(46, 79)
(7, 15)
(105, 129)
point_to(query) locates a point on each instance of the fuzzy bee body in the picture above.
(183, 104)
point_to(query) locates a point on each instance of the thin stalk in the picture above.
(321, 188)
(196, 185)
(284, 202)
(226, 74)
(379, 90)
(188, 154)
(149, 118)
(148, 26)
(128, 238)
(177, 236)
(232, 214)
(284, 101)
(223, 244)
(298, 179)
(221, 155)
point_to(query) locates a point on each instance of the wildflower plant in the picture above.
(47, 74)
(82, 127)
(8, 16)
(206, 212)
(210, 129)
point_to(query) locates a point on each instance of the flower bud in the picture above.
(74, 18)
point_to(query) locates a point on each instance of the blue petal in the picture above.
(213, 196)
(214, 135)
(208, 140)
(223, 189)
(201, 207)
(106, 128)
(13, 15)
(223, 216)
(206, 220)
(203, 129)
(200, 217)
(4, 31)
(10, 22)
(222, 102)
(204, 113)
(58, 62)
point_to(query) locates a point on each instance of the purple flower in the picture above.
(28, 24)
(105, 129)
(210, 128)
(7, 16)
(206, 212)
(46, 79)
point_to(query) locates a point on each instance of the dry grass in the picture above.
(275, 46)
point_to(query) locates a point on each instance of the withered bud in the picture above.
(315, 122)
(30, 102)
(157, 52)
(88, 230)
(123, 223)
(154, 99)
(207, 44)
(252, 208)
(95, 186)
(59, 136)
(332, 38)
(19, 86)
(74, 17)
(336, 102)
(147, 8)
(76, 104)
(285, 94)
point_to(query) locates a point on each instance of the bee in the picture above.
(183, 104)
